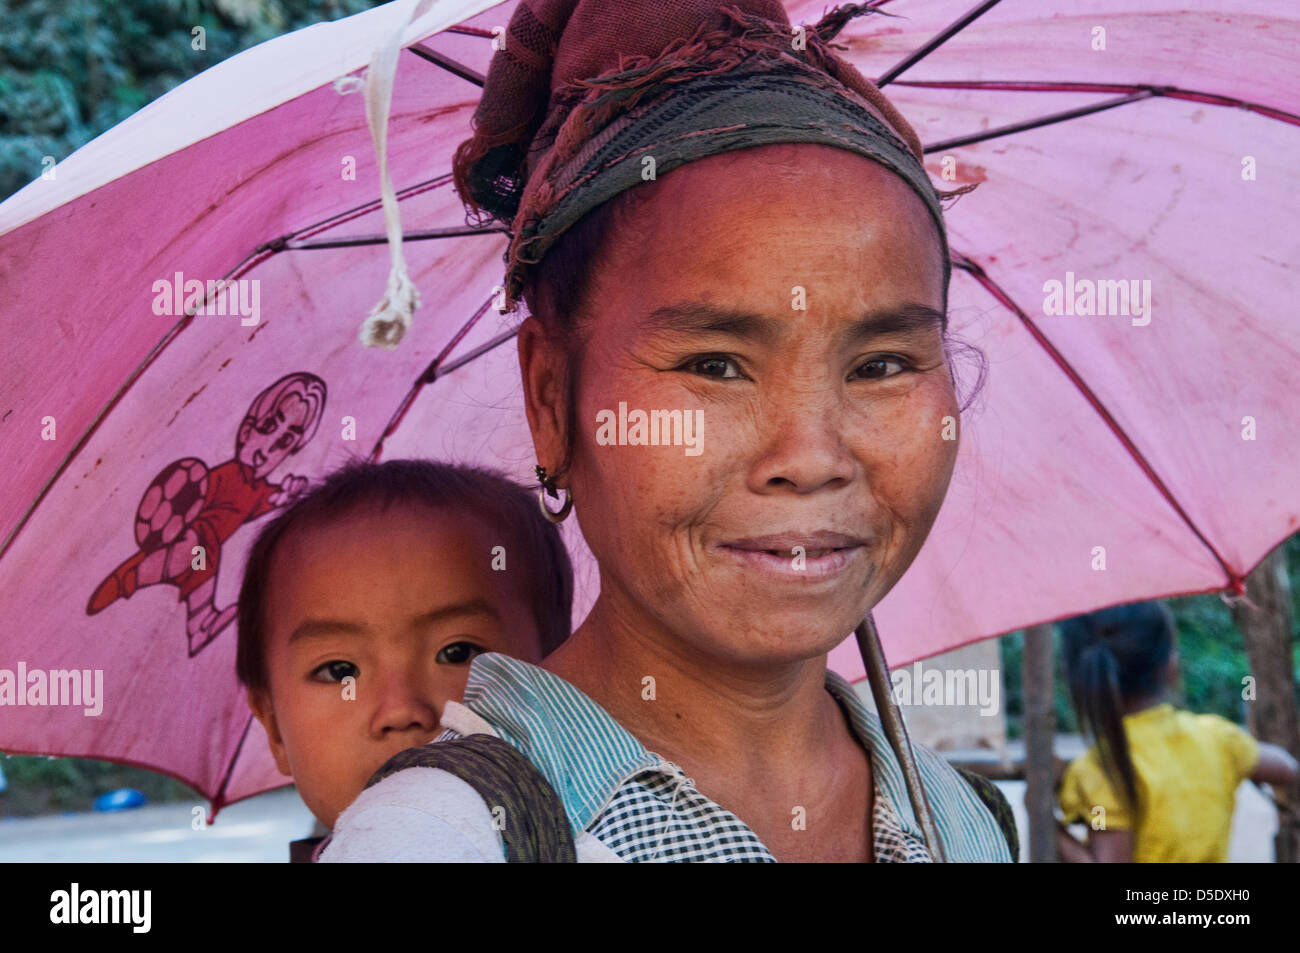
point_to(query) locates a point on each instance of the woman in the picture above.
(733, 227)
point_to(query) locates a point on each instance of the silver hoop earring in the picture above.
(548, 488)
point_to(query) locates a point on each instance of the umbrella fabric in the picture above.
(1109, 457)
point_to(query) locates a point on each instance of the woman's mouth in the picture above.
(797, 557)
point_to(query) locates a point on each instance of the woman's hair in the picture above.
(1113, 657)
(508, 507)
(559, 289)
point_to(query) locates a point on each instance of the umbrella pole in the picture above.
(873, 657)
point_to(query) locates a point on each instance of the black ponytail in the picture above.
(1113, 657)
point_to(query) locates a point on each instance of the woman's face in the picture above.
(786, 299)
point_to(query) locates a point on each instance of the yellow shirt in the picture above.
(1188, 767)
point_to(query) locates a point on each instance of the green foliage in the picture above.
(71, 69)
(1013, 651)
(52, 785)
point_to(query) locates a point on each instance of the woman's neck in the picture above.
(692, 709)
(765, 743)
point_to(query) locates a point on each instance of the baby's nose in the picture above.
(406, 707)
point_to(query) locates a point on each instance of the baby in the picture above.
(363, 604)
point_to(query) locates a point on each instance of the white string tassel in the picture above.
(390, 318)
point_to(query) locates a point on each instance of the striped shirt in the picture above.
(643, 808)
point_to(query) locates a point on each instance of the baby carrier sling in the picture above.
(533, 824)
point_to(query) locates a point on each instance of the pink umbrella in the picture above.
(1123, 264)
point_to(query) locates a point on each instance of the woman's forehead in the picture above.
(850, 232)
(745, 197)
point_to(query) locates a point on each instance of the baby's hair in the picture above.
(1114, 656)
(504, 504)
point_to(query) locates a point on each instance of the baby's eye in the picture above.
(878, 367)
(336, 671)
(459, 653)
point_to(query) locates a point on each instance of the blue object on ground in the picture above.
(123, 799)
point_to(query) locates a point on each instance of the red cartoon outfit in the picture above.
(234, 498)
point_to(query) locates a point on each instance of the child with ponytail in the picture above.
(1159, 784)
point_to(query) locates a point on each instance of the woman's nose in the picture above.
(802, 443)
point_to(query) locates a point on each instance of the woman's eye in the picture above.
(336, 671)
(879, 367)
(458, 653)
(721, 367)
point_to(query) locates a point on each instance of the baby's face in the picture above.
(400, 600)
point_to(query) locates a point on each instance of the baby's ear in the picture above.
(260, 702)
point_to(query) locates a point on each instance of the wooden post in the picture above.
(1264, 618)
(1039, 680)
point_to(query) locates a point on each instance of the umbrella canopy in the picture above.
(1124, 265)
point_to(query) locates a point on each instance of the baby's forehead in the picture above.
(423, 543)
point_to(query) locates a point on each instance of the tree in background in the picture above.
(71, 69)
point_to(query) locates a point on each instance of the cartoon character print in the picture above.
(189, 505)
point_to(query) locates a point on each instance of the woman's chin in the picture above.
(779, 636)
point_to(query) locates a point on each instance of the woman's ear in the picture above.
(544, 366)
(260, 702)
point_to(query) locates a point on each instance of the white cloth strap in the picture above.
(463, 721)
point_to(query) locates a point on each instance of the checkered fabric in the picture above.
(661, 817)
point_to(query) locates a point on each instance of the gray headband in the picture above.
(760, 102)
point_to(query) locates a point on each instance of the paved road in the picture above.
(258, 830)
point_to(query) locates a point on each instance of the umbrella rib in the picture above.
(433, 374)
(1036, 122)
(430, 374)
(474, 354)
(220, 800)
(447, 63)
(1235, 580)
(282, 242)
(357, 211)
(936, 41)
(416, 236)
(1170, 92)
